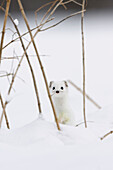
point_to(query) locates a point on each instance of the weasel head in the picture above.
(58, 89)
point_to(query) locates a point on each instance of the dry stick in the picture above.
(22, 58)
(42, 69)
(31, 69)
(53, 4)
(106, 135)
(60, 2)
(83, 55)
(45, 28)
(9, 74)
(25, 32)
(87, 96)
(17, 57)
(40, 9)
(65, 7)
(2, 3)
(11, 85)
(4, 112)
(34, 81)
(48, 11)
(4, 25)
(54, 9)
(73, 2)
(79, 12)
(41, 24)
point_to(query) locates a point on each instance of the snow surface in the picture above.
(34, 142)
(41, 145)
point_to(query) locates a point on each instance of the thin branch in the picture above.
(83, 123)
(4, 25)
(4, 112)
(42, 69)
(2, 3)
(13, 78)
(42, 24)
(79, 12)
(109, 133)
(83, 60)
(31, 69)
(87, 96)
(17, 57)
(9, 74)
(53, 4)
(73, 2)
(64, 6)
(52, 12)
(43, 6)
(7, 29)
(25, 32)
(21, 61)
(11, 84)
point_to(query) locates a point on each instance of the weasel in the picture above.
(59, 93)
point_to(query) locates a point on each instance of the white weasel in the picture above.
(59, 93)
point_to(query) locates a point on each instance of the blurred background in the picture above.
(34, 4)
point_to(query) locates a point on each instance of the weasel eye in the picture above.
(62, 88)
(53, 88)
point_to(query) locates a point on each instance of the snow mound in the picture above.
(39, 145)
(45, 133)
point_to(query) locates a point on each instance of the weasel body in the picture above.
(59, 92)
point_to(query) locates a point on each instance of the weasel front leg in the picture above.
(62, 119)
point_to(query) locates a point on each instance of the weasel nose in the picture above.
(57, 91)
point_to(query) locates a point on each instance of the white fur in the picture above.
(62, 103)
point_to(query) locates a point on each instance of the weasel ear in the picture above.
(66, 84)
(50, 84)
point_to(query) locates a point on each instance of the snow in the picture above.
(16, 21)
(34, 142)
(40, 145)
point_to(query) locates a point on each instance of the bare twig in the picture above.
(5, 75)
(42, 69)
(2, 3)
(17, 57)
(11, 84)
(87, 96)
(79, 12)
(83, 60)
(43, 6)
(83, 123)
(48, 11)
(4, 112)
(13, 78)
(106, 135)
(73, 2)
(4, 25)
(37, 27)
(31, 69)
(42, 24)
